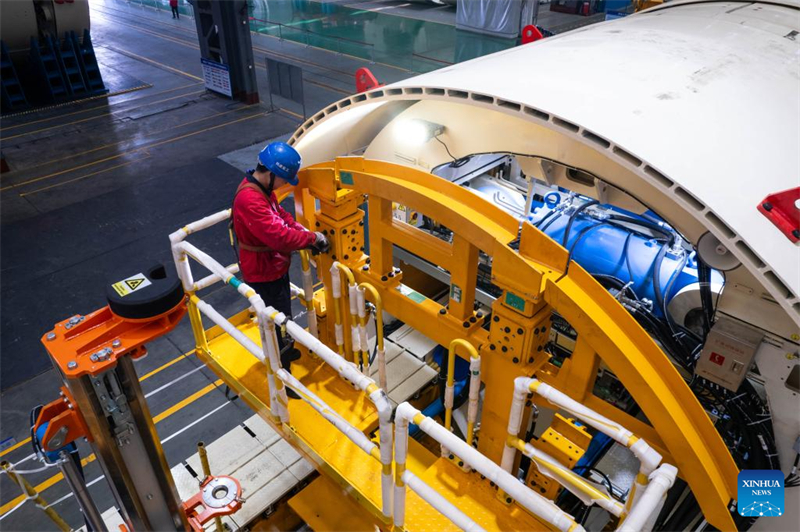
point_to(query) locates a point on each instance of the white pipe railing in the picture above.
(205, 282)
(584, 490)
(646, 509)
(349, 371)
(352, 433)
(268, 317)
(539, 506)
(649, 458)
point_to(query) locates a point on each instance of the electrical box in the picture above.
(728, 353)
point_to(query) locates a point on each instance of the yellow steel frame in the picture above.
(536, 279)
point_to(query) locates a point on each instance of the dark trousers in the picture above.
(277, 294)
(175, 13)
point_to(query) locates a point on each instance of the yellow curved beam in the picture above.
(537, 273)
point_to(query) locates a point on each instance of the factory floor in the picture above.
(94, 189)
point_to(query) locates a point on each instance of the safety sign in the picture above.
(131, 284)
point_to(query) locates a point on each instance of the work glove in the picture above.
(321, 244)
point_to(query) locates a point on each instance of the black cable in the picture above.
(545, 217)
(704, 277)
(671, 282)
(656, 275)
(606, 480)
(457, 163)
(585, 231)
(626, 255)
(671, 235)
(572, 217)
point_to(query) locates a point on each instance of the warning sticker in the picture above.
(131, 284)
(413, 295)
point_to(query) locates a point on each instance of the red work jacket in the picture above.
(263, 223)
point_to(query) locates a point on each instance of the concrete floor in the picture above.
(95, 188)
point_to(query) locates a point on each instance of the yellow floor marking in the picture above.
(142, 378)
(91, 458)
(192, 398)
(165, 366)
(23, 194)
(255, 48)
(122, 141)
(162, 65)
(110, 113)
(94, 108)
(159, 143)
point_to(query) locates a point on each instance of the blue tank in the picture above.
(614, 250)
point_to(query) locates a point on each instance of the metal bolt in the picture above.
(51, 336)
(116, 343)
(72, 364)
(767, 206)
(149, 496)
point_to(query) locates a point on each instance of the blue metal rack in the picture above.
(12, 92)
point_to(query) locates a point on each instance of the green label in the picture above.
(455, 293)
(346, 178)
(514, 301)
(413, 295)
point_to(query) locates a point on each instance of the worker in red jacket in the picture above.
(174, 5)
(266, 234)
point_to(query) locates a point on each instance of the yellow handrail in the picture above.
(345, 300)
(376, 300)
(451, 363)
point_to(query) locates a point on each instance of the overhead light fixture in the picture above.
(416, 131)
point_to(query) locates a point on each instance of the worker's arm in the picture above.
(288, 218)
(269, 227)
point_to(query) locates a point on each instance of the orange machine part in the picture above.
(198, 512)
(62, 413)
(92, 344)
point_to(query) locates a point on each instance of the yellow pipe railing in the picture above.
(451, 363)
(345, 301)
(378, 302)
(567, 477)
(308, 292)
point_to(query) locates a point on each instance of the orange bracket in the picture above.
(218, 496)
(91, 344)
(65, 422)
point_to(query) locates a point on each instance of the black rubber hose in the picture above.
(671, 235)
(706, 301)
(657, 275)
(572, 217)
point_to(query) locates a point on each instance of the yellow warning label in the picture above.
(131, 284)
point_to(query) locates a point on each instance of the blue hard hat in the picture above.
(282, 160)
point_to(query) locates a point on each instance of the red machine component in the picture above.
(531, 33)
(92, 344)
(218, 496)
(783, 210)
(366, 80)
